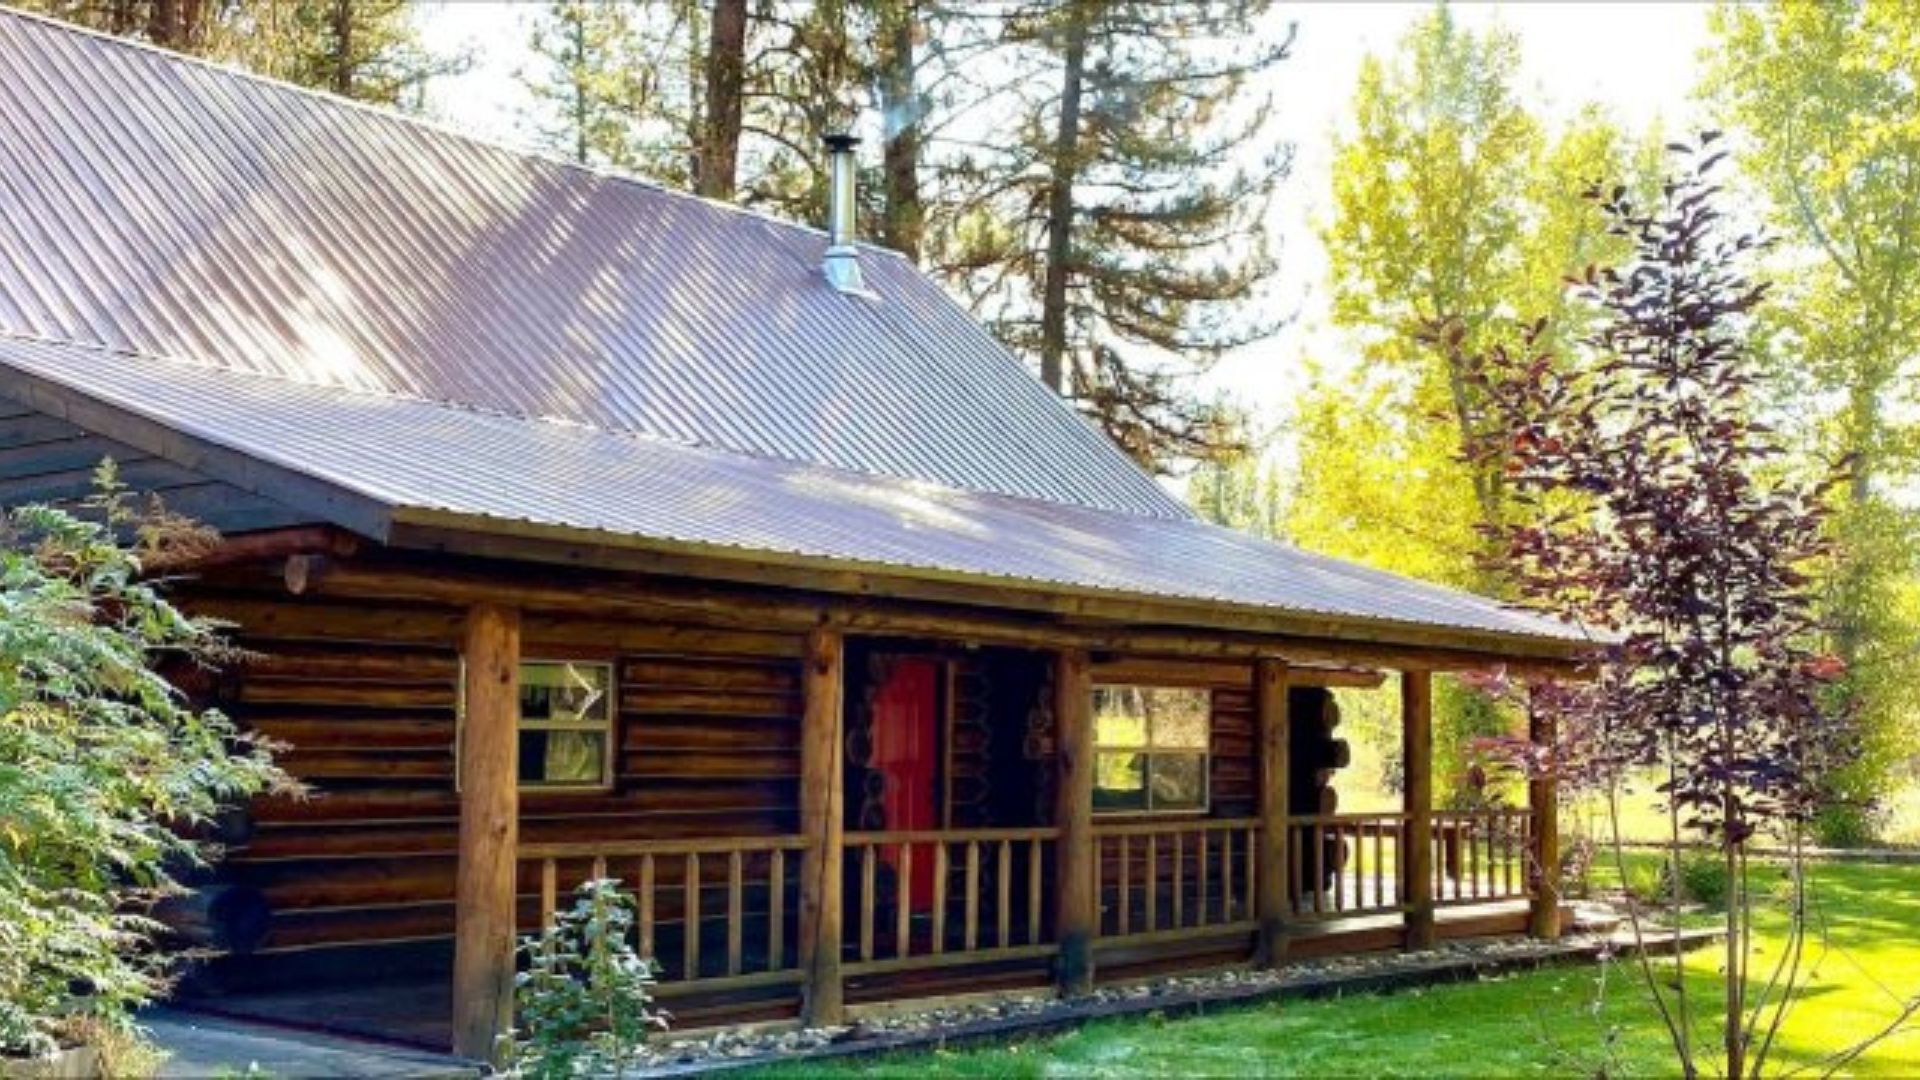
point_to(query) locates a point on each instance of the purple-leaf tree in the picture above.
(1656, 510)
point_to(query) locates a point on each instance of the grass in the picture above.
(1865, 960)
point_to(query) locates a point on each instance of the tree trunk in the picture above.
(340, 64)
(577, 25)
(1066, 165)
(903, 114)
(726, 75)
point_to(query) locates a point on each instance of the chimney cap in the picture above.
(841, 141)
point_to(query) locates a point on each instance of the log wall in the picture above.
(708, 732)
(707, 739)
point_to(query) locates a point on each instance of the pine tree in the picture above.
(593, 85)
(185, 26)
(1117, 239)
(369, 50)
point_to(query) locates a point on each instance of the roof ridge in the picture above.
(437, 127)
(576, 425)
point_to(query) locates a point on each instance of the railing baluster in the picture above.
(1153, 882)
(776, 909)
(903, 915)
(1004, 910)
(1295, 893)
(690, 919)
(972, 931)
(1339, 872)
(1126, 890)
(1473, 858)
(1379, 864)
(1250, 873)
(1226, 875)
(1099, 886)
(549, 892)
(1179, 882)
(736, 908)
(646, 906)
(1319, 868)
(1200, 880)
(1034, 861)
(1516, 857)
(866, 901)
(939, 897)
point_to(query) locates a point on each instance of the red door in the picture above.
(906, 740)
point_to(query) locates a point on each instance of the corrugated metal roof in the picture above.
(425, 456)
(164, 206)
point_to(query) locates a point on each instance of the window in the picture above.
(1150, 748)
(566, 724)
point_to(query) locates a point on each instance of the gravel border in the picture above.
(1034, 1014)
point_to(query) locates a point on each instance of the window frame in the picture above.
(609, 730)
(1149, 750)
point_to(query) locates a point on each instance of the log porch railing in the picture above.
(1174, 877)
(713, 914)
(937, 897)
(722, 913)
(1346, 864)
(1481, 856)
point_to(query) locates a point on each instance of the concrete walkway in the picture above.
(202, 1046)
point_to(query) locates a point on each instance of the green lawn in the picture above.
(1561, 1021)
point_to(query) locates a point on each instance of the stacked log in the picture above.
(1314, 756)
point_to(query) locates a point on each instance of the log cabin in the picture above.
(576, 527)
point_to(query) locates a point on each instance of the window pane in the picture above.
(1120, 781)
(1180, 719)
(1119, 716)
(568, 693)
(562, 757)
(1179, 781)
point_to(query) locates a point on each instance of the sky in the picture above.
(1637, 60)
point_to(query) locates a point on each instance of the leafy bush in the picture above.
(104, 766)
(1703, 880)
(585, 1000)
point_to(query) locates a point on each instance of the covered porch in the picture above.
(815, 923)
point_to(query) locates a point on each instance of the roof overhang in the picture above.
(1082, 614)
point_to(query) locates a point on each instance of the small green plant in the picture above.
(585, 997)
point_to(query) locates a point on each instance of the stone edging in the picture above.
(1186, 997)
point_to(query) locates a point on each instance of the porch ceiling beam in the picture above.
(737, 608)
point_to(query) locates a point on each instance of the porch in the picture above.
(815, 922)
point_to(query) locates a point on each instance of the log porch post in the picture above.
(1270, 707)
(1543, 801)
(1077, 910)
(823, 824)
(485, 892)
(1416, 733)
